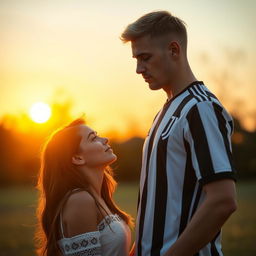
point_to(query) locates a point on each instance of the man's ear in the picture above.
(174, 48)
(78, 160)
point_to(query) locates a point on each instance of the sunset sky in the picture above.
(55, 49)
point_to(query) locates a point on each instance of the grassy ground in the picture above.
(17, 219)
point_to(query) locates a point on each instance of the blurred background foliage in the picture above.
(20, 149)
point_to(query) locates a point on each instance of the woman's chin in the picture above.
(111, 159)
(114, 158)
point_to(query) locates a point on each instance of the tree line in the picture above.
(20, 154)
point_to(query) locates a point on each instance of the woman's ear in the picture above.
(78, 160)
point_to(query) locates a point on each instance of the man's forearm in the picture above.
(203, 227)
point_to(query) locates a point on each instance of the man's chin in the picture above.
(154, 87)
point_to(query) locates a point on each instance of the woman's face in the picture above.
(93, 149)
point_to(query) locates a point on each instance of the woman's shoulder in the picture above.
(79, 197)
(80, 202)
(80, 213)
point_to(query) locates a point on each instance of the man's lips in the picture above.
(147, 78)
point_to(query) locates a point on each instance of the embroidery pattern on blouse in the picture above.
(87, 244)
(87, 252)
(82, 245)
(107, 220)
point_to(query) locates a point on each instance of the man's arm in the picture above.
(219, 204)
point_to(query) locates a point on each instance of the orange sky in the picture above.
(49, 46)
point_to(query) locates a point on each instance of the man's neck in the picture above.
(180, 83)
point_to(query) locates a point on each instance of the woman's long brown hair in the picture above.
(57, 178)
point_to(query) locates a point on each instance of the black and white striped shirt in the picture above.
(189, 145)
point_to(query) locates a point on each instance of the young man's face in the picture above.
(154, 61)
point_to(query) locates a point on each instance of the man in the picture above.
(187, 188)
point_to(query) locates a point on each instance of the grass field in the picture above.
(17, 219)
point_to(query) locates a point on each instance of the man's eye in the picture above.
(146, 57)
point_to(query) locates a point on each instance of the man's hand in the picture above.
(219, 204)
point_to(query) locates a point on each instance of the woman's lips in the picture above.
(108, 149)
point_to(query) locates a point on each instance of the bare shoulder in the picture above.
(80, 214)
(79, 198)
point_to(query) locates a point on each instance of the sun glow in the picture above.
(40, 112)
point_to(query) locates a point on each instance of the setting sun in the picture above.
(40, 112)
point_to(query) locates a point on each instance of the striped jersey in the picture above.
(188, 145)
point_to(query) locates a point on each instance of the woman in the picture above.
(76, 211)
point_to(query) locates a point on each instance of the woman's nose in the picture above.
(105, 140)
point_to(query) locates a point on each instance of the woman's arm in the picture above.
(79, 214)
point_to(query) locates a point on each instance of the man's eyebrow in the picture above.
(90, 134)
(140, 54)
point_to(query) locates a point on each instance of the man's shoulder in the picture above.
(208, 110)
(200, 97)
(196, 94)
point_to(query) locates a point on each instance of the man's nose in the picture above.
(140, 68)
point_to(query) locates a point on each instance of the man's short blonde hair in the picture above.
(156, 24)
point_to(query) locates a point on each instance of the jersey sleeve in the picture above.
(84, 244)
(207, 131)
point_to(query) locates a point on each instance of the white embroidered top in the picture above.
(113, 238)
